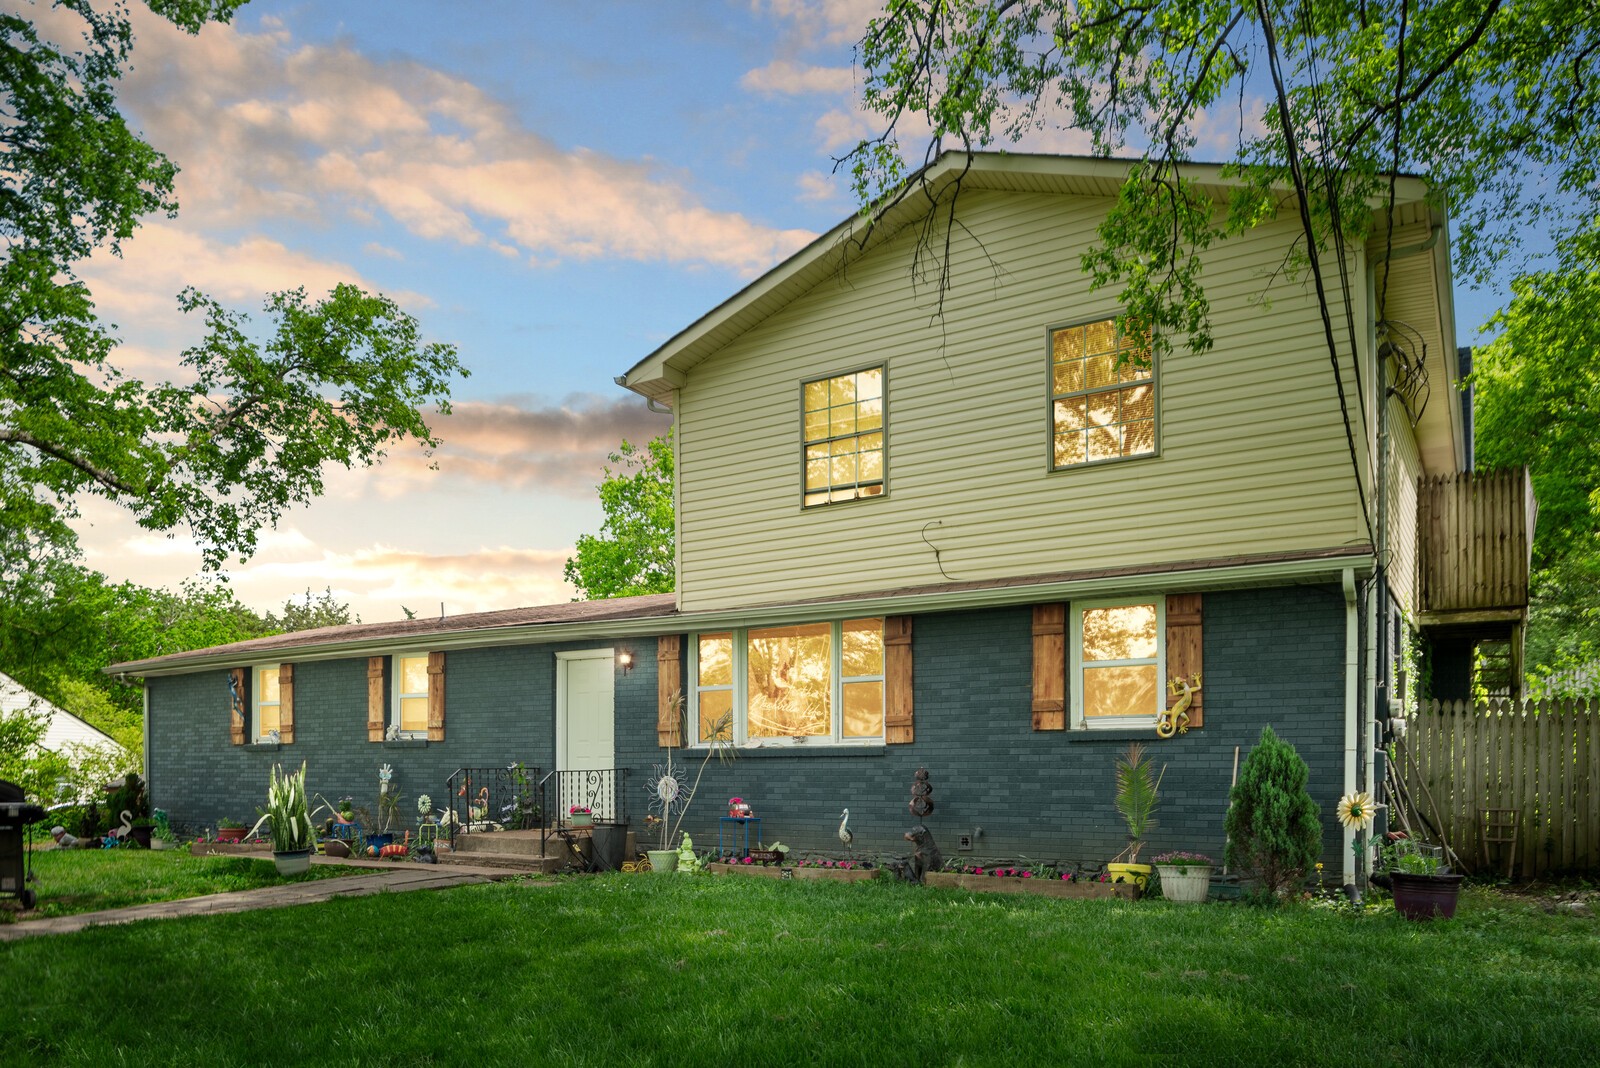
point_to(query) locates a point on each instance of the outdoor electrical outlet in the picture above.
(964, 843)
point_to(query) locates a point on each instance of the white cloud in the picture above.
(783, 76)
(823, 22)
(265, 127)
(818, 186)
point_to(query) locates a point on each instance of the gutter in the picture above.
(1285, 572)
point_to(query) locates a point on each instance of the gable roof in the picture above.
(406, 634)
(62, 728)
(660, 373)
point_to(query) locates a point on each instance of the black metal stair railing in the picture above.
(493, 799)
(603, 791)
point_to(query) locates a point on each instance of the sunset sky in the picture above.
(554, 188)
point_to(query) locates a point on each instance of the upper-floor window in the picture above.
(1102, 394)
(1117, 662)
(411, 695)
(842, 429)
(783, 685)
(268, 704)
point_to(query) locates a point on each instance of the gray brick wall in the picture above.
(1272, 656)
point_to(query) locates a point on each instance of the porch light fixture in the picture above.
(625, 661)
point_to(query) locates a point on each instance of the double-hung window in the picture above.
(842, 434)
(411, 695)
(786, 685)
(1117, 661)
(266, 698)
(1102, 395)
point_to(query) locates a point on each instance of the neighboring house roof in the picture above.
(635, 617)
(62, 729)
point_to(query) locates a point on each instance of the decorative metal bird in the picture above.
(844, 830)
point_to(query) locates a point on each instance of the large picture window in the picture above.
(268, 702)
(842, 430)
(791, 684)
(1117, 662)
(1102, 395)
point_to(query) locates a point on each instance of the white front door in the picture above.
(586, 729)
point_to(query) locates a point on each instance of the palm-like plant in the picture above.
(291, 830)
(1138, 793)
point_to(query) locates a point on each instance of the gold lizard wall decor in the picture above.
(1175, 720)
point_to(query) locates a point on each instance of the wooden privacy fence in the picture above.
(1541, 758)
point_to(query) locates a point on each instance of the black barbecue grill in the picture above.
(16, 863)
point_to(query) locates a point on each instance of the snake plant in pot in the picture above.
(293, 836)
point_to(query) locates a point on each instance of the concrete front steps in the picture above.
(519, 851)
(511, 850)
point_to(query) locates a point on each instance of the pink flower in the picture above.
(1027, 875)
(977, 871)
(749, 860)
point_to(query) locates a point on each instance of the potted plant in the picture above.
(668, 786)
(162, 838)
(292, 833)
(230, 830)
(141, 831)
(1138, 792)
(1184, 876)
(580, 816)
(1421, 884)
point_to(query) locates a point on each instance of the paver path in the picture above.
(392, 878)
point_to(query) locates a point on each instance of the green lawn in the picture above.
(729, 971)
(91, 880)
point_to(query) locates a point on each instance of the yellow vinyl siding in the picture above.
(1251, 457)
(1404, 467)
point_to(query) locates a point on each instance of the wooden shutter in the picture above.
(669, 690)
(375, 724)
(435, 697)
(1184, 648)
(898, 728)
(286, 703)
(1049, 667)
(238, 703)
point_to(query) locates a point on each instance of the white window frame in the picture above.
(741, 689)
(398, 695)
(255, 698)
(1075, 610)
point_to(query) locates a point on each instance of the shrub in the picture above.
(1273, 827)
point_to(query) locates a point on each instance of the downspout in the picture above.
(1352, 688)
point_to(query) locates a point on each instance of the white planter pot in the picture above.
(1189, 883)
(293, 863)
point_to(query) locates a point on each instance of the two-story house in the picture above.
(998, 542)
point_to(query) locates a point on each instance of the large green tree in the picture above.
(634, 551)
(1496, 104)
(244, 432)
(1538, 403)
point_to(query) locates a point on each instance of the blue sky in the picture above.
(554, 188)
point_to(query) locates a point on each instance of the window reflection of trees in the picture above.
(1123, 632)
(790, 680)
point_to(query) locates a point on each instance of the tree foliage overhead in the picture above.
(225, 453)
(1537, 394)
(1497, 105)
(634, 551)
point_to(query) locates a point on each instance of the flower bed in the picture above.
(811, 870)
(988, 883)
(203, 848)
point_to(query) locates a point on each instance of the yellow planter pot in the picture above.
(1137, 874)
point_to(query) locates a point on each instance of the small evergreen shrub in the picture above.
(1274, 830)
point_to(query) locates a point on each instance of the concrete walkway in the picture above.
(386, 877)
